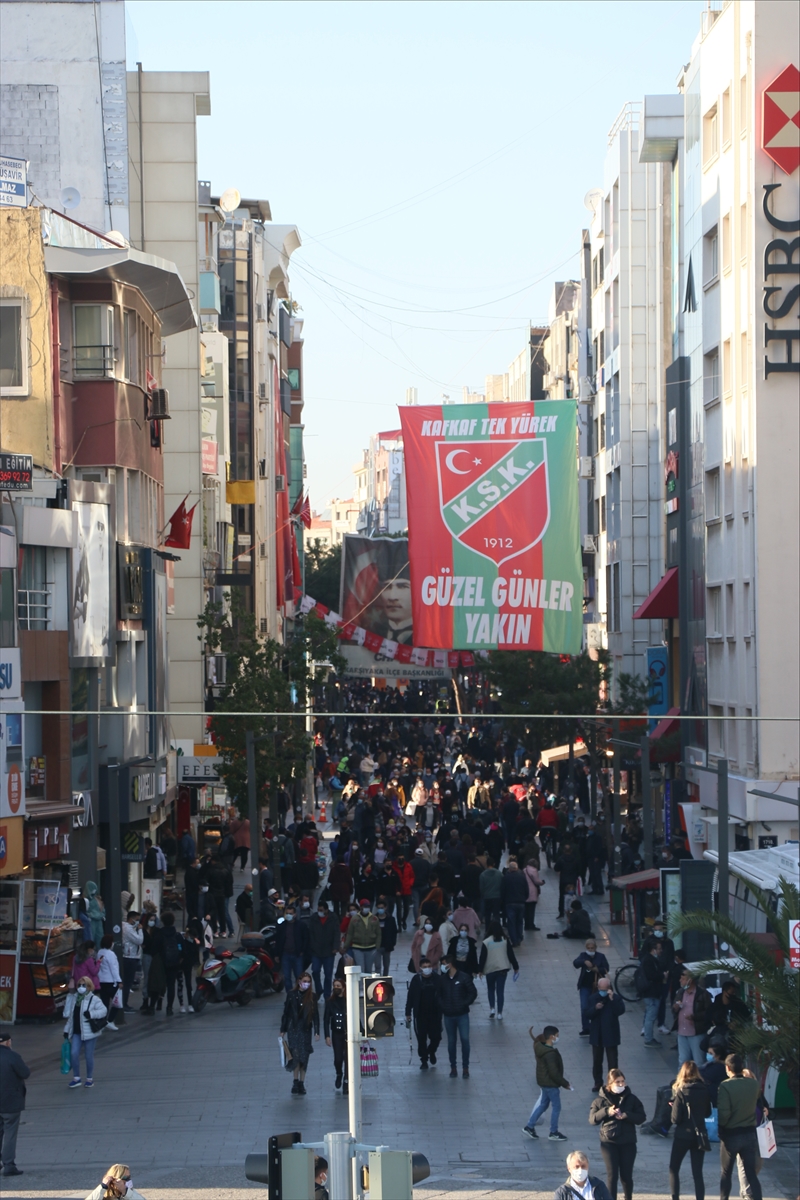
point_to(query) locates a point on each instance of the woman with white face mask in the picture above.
(617, 1111)
(115, 1185)
(579, 1182)
(83, 1009)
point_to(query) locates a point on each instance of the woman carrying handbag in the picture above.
(691, 1104)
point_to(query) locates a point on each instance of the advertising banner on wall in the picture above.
(493, 526)
(91, 589)
(376, 597)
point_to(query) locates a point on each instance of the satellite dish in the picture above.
(230, 200)
(114, 235)
(70, 197)
(592, 199)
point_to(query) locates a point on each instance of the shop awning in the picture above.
(667, 726)
(662, 601)
(561, 753)
(49, 810)
(638, 881)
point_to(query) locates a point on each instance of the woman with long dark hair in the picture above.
(617, 1111)
(300, 1020)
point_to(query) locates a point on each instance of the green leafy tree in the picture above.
(772, 1037)
(323, 572)
(263, 676)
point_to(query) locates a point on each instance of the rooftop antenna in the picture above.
(229, 201)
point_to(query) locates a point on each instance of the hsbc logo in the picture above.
(781, 120)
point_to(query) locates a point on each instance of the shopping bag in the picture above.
(369, 1061)
(285, 1053)
(766, 1139)
(66, 1058)
(116, 1001)
(712, 1126)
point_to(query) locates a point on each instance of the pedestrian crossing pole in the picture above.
(353, 1003)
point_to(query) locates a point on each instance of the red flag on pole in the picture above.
(302, 509)
(180, 526)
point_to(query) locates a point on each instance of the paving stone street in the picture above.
(183, 1100)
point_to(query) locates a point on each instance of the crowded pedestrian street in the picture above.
(188, 1097)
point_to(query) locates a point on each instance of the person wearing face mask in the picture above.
(320, 1178)
(617, 1111)
(426, 943)
(291, 945)
(496, 960)
(363, 937)
(550, 1078)
(691, 1104)
(335, 1028)
(81, 1008)
(713, 1070)
(456, 993)
(388, 935)
(323, 942)
(465, 950)
(116, 1184)
(604, 1009)
(300, 1018)
(591, 964)
(422, 1005)
(579, 1182)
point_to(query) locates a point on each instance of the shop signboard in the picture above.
(10, 674)
(8, 986)
(494, 536)
(91, 585)
(658, 678)
(794, 944)
(13, 193)
(143, 787)
(16, 472)
(198, 771)
(132, 847)
(12, 779)
(671, 899)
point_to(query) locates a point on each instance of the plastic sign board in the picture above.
(16, 472)
(794, 944)
(13, 182)
(494, 536)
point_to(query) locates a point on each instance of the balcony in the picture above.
(94, 362)
(34, 608)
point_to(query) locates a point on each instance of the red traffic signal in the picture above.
(379, 1008)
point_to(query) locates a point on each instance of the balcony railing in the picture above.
(96, 361)
(34, 608)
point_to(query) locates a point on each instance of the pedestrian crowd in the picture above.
(440, 833)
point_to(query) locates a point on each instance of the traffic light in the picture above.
(379, 1008)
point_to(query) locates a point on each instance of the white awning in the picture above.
(560, 753)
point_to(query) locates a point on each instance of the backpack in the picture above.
(173, 950)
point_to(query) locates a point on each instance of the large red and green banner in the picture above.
(494, 536)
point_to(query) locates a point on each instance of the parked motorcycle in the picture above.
(262, 945)
(228, 978)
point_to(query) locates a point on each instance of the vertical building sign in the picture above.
(494, 538)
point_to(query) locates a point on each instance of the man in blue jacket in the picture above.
(604, 1009)
(13, 1073)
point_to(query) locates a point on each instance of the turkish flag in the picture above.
(180, 526)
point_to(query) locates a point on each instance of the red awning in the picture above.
(638, 881)
(666, 725)
(662, 601)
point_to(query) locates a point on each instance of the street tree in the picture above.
(763, 965)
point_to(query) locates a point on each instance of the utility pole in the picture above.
(647, 804)
(723, 894)
(252, 803)
(617, 819)
(352, 980)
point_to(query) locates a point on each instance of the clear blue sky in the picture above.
(434, 156)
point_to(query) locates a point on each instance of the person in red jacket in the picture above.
(405, 882)
(547, 824)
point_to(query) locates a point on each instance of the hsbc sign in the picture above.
(781, 120)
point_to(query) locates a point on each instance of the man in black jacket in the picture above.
(323, 942)
(456, 993)
(651, 986)
(13, 1073)
(423, 1003)
(514, 894)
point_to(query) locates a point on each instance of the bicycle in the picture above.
(625, 982)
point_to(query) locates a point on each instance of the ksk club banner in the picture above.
(494, 536)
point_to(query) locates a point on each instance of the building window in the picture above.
(747, 616)
(710, 135)
(33, 595)
(602, 514)
(615, 569)
(710, 378)
(130, 346)
(64, 339)
(713, 509)
(7, 615)
(730, 611)
(13, 348)
(743, 101)
(750, 741)
(727, 249)
(743, 231)
(727, 380)
(726, 116)
(94, 340)
(602, 431)
(714, 612)
(711, 257)
(716, 730)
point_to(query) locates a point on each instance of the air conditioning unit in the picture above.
(589, 543)
(158, 408)
(280, 483)
(586, 467)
